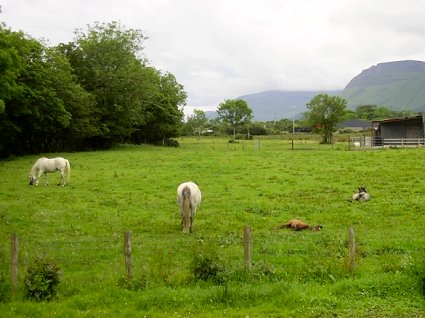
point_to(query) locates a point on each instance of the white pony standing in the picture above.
(45, 165)
(188, 199)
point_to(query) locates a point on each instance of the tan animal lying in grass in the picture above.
(298, 225)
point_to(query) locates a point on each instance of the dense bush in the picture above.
(207, 268)
(258, 129)
(42, 279)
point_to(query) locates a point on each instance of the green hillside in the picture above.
(396, 85)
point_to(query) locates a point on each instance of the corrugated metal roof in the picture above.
(399, 119)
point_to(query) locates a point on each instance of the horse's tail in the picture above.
(67, 170)
(186, 207)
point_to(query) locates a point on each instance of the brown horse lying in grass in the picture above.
(298, 225)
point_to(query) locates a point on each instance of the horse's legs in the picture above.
(45, 178)
(192, 216)
(62, 179)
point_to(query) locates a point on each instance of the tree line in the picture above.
(92, 93)
(323, 114)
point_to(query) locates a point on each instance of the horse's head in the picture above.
(362, 190)
(316, 228)
(33, 180)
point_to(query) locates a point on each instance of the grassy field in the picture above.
(257, 184)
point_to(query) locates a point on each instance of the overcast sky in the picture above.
(222, 49)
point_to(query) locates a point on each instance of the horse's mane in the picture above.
(34, 168)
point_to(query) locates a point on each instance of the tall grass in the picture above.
(305, 274)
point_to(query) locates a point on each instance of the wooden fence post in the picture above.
(127, 254)
(351, 250)
(247, 239)
(15, 251)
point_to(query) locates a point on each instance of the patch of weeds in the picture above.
(206, 266)
(223, 295)
(113, 203)
(163, 269)
(395, 263)
(229, 239)
(264, 271)
(4, 289)
(259, 211)
(417, 271)
(134, 284)
(260, 272)
(324, 272)
(389, 250)
(42, 279)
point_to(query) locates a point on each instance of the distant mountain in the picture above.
(275, 105)
(209, 114)
(396, 85)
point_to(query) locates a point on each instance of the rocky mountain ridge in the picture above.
(398, 85)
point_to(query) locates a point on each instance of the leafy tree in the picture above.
(350, 114)
(161, 99)
(366, 112)
(284, 124)
(197, 122)
(134, 102)
(216, 125)
(258, 129)
(375, 112)
(10, 65)
(105, 61)
(235, 113)
(78, 102)
(324, 112)
(33, 110)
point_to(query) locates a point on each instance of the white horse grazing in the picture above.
(45, 165)
(362, 195)
(188, 198)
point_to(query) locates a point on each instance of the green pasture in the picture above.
(260, 184)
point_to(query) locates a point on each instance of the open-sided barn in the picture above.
(402, 131)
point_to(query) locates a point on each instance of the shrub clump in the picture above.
(41, 280)
(207, 268)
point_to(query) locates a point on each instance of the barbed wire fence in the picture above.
(308, 143)
(122, 253)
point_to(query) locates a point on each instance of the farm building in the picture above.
(354, 125)
(402, 131)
